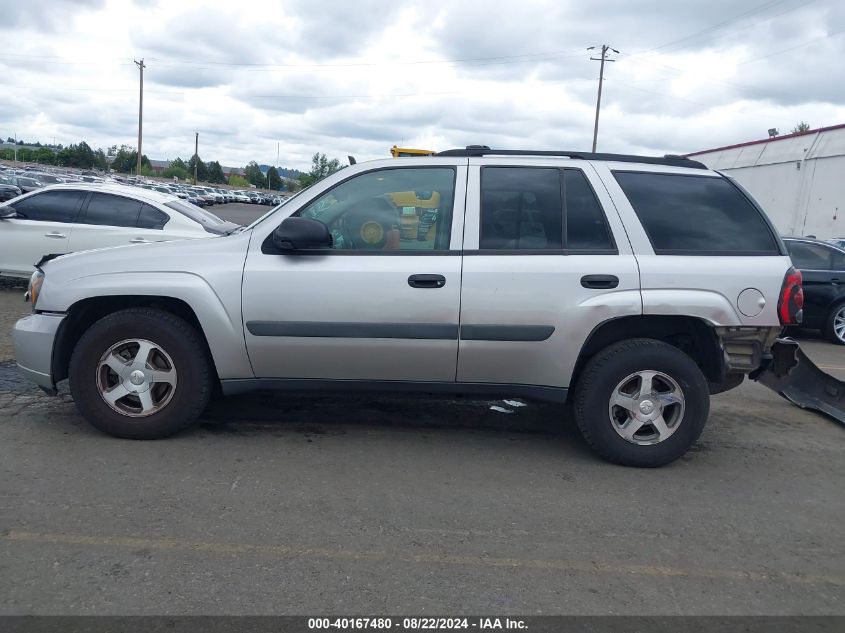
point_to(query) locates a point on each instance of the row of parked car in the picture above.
(14, 182)
(204, 196)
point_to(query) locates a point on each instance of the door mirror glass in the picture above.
(8, 212)
(295, 234)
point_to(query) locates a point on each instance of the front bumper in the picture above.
(33, 337)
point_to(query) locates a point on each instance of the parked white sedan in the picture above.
(77, 217)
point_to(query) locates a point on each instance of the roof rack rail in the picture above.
(671, 160)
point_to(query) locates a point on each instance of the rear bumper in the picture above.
(34, 337)
(795, 377)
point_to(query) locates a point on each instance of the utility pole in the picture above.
(16, 148)
(602, 59)
(196, 155)
(141, 66)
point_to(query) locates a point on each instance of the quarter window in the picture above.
(405, 209)
(152, 218)
(586, 227)
(108, 210)
(51, 206)
(696, 214)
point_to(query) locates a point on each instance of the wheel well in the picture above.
(691, 335)
(83, 314)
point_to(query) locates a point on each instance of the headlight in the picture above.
(35, 283)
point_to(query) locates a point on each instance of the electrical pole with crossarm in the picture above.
(141, 66)
(602, 59)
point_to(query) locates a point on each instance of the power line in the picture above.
(713, 27)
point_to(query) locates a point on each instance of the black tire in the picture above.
(604, 371)
(829, 332)
(185, 346)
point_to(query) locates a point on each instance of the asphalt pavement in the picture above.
(314, 504)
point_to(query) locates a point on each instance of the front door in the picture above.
(546, 260)
(43, 227)
(381, 304)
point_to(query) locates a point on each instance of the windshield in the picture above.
(7, 180)
(278, 206)
(206, 218)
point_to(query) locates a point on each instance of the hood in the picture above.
(172, 256)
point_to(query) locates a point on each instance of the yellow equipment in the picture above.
(399, 152)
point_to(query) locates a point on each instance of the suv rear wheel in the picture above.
(140, 373)
(641, 402)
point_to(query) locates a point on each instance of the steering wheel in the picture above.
(368, 224)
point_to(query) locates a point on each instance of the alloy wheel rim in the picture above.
(839, 324)
(646, 407)
(136, 378)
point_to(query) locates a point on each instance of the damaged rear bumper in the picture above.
(791, 374)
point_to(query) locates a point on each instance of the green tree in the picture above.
(126, 158)
(45, 156)
(174, 170)
(253, 173)
(293, 185)
(238, 181)
(802, 126)
(202, 170)
(215, 172)
(273, 178)
(100, 161)
(321, 167)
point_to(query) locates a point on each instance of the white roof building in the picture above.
(799, 179)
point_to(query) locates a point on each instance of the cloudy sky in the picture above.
(357, 76)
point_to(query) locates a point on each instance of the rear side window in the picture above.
(521, 209)
(586, 227)
(152, 218)
(810, 256)
(696, 214)
(51, 206)
(108, 210)
(540, 209)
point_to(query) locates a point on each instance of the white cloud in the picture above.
(356, 77)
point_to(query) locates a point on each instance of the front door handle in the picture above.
(56, 235)
(139, 240)
(600, 282)
(426, 281)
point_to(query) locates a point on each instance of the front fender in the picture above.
(217, 307)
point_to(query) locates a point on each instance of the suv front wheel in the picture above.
(140, 373)
(641, 402)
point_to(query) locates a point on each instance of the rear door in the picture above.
(545, 261)
(43, 228)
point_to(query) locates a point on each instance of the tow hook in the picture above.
(790, 373)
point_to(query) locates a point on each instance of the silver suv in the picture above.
(632, 287)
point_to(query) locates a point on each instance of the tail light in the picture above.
(791, 302)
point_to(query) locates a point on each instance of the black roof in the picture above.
(483, 150)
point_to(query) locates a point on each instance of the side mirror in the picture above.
(8, 212)
(295, 234)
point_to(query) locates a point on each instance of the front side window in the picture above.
(108, 210)
(405, 209)
(51, 206)
(684, 214)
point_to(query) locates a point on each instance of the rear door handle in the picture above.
(56, 235)
(139, 240)
(426, 281)
(600, 282)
